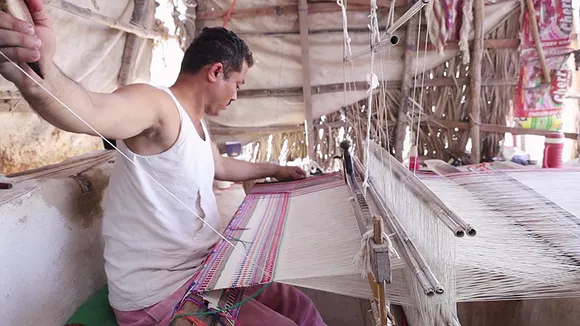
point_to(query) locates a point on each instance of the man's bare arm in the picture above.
(229, 169)
(120, 115)
(123, 114)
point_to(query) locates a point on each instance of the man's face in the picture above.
(225, 91)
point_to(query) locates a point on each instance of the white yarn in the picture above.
(362, 259)
(375, 38)
(347, 39)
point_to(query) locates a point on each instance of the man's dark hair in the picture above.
(216, 44)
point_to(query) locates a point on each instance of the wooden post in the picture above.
(475, 80)
(306, 88)
(190, 29)
(406, 85)
(382, 301)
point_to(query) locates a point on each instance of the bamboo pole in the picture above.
(111, 22)
(537, 41)
(306, 87)
(410, 63)
(475, 80)
(278, 10)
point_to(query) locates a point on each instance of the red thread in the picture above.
(227, 19)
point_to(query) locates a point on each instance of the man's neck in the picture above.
(190, 95)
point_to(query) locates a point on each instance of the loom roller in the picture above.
(19, 9)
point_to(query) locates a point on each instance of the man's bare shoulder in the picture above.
(161, 135)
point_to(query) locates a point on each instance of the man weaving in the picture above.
(153, 244)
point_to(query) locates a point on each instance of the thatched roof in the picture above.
(272, 95)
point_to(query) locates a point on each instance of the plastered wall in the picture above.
(50, 247)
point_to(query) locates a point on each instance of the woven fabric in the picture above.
(256, 230)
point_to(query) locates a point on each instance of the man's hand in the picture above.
(23, 42)
(289, 173)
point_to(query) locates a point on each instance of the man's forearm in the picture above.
(65, 90)
(236, 170)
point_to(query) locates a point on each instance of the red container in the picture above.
(553, 149)
(414, 163)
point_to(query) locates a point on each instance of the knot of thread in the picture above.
(362, 258)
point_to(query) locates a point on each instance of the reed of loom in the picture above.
(427, 280)
(414, 259)
(379, 255)
(451, 219)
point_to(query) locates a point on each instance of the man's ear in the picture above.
(214, 72)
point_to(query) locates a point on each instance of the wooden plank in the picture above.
(362, 85)
(306, 79)
(313, 8)
(475, 81)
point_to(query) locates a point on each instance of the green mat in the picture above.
(96, 311)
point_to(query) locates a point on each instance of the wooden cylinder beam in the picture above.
(475, 80)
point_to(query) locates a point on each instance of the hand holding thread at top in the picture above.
(23, 41)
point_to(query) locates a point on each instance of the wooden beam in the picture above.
(363, 85)
(447, 124)
(475, 81)
(306, 79)
(491, 128)
(221, 130)
(510, 43)
(406, 86)
(313, 8)
(133, 43)
(107, 21)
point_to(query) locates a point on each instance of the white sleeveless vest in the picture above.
(153, 244)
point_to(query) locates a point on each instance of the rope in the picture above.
(227, 19)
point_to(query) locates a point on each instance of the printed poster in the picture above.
(539, 105)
